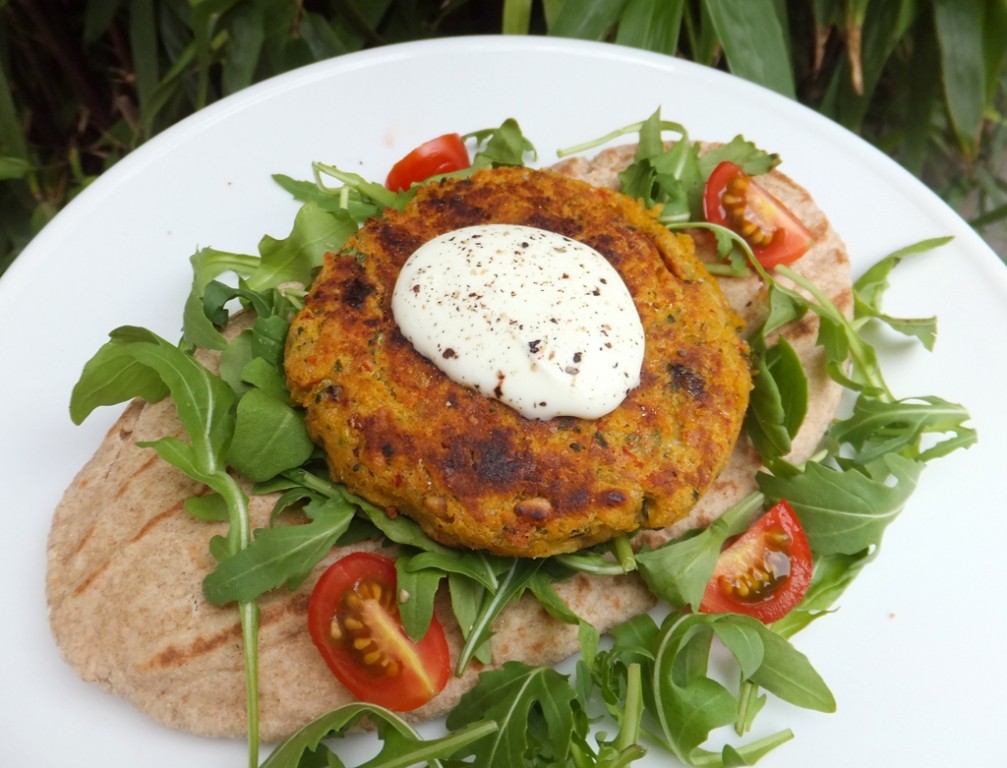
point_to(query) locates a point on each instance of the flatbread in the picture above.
(126, 561)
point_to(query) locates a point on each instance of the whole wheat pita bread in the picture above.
(126, 561)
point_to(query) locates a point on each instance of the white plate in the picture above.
(914, 654)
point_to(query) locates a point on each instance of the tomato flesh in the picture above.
(444, 154)
(733, 199)
(354, 622)
(765, 572)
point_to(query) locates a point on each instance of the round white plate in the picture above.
(914, 653)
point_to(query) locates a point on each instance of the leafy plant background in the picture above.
(84, 83)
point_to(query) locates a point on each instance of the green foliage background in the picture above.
(83, 83)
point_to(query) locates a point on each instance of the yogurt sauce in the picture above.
(534, 319)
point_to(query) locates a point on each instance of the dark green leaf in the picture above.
(503, 146)
(651, 24)
(279, 555)
(514, 696)
(688, 708)
(209, 508)
(877, 428)
(269, 437)
(959, 27)
(586, 19)
(293, 259)
(778, 402)
(832, 575)
(401, 744)
(513, 583)
(679, 571)
(846, 512)
(786, 672)
(741, 152)
(417, 592)
(752, 35)
(114, 376)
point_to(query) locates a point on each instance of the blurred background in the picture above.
(84, 82)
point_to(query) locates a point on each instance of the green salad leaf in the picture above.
(401, 747)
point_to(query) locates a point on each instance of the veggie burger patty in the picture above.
(472, 471)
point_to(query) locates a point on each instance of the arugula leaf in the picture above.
(513, 584)
(202, 313)
(417, 590)
(879, 427)
(846, 512)
(782, 669)
(686, 703)
(502, 146)
(673, 175)
(278, 555)
(870, 287)
(269, 437)
(294, 258)
(778, 402)
(402, 745)
(356, 187)
(679, 571)
(831, 576)
(741, 152)
(519, 697)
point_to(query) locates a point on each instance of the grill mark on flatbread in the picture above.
(174, 656)
(83, 540)
(88, 581)
(144, 468)
(92, 577)
(157, 520)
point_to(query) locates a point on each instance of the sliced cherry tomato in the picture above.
(444, 154)
(353, 619)
(735, 200)
(765, 572)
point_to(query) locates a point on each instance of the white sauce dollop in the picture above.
(536, 320)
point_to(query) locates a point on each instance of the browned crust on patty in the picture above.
(474, 472)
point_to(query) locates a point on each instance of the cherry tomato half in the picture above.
(765, 572)
(353, 620)
(444, 154)
(735, 200)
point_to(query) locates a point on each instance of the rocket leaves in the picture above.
(654, 679)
